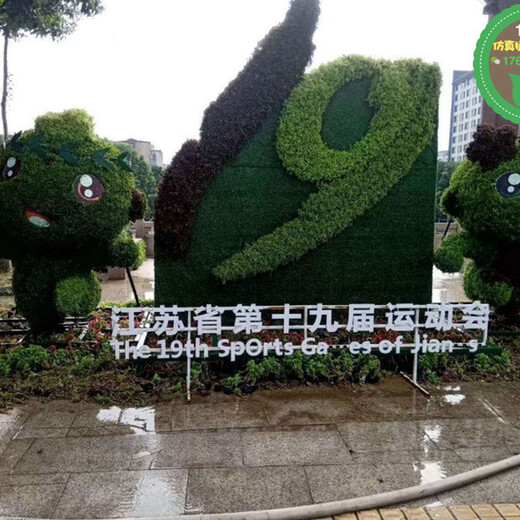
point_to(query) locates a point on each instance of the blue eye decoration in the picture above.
(508, 185)
(11, 168)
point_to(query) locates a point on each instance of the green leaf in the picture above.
(35, 145)
(122, 163)
(99, 159)
(67, 155)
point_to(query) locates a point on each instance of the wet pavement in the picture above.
(274, 449)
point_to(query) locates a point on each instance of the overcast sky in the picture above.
(147, 69)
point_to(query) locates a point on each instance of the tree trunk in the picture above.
(4, 91)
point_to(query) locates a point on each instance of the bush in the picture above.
(496, 294)
(4, 367)
(28, 359)
(78, 296)
(450, 257)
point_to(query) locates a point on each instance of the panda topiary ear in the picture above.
(492, 146)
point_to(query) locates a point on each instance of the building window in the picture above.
(466, 126)
(454, 119)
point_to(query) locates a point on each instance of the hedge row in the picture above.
(404, 94)
(229, 123)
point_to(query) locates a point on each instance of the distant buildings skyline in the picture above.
(466, 113)
(146, 150)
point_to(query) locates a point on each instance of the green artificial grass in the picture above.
(384, 256)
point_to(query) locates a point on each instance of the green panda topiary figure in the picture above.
(66, 197)
(484, 197)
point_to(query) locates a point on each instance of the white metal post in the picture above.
(188, 361)
(417, 344)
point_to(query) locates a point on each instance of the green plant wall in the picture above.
(382, 253)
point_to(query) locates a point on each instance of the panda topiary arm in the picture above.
(449, 258)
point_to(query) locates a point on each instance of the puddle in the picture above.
(433, 432)
(140, 420)
(430, 471)
(455, 396)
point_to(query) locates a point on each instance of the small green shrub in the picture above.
(494, 364)
(4, 367)
(450, 257)
(28, 359)
(141, 254)
(85, 366)
(78, 296)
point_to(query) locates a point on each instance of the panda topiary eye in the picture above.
(89, 188)
(11, 168)
(508, 185)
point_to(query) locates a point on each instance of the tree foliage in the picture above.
(53, 18)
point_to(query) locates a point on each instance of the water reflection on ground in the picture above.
(274, 449)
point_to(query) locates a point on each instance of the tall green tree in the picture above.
(44, 18)
(146, 177)
(444, 172)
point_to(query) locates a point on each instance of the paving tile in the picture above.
(77, 455)
(94, 416)
(487, 454)
(508, 510)
(232, 414)
(341, 482)
(439, 513)
(124, 494)
(500, 488)
(463, 513)
(293, 448)
(38, 480)
(369, 514)
(346, 516)
(415, 513)
(384, 436)
(427, 453)
(470, 433)
(29, 501)
(41, 433)
(485, 511)
(391, 514)
(12, 454)
(60, 414)
(225, 490)
(115, 420)
(193, 449)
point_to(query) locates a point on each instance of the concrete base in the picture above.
(116, 273)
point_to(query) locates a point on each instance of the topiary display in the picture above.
(484, 197)
(66, 196)
(304, 188)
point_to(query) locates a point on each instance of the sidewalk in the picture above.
(476, 512)
(275, 449)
